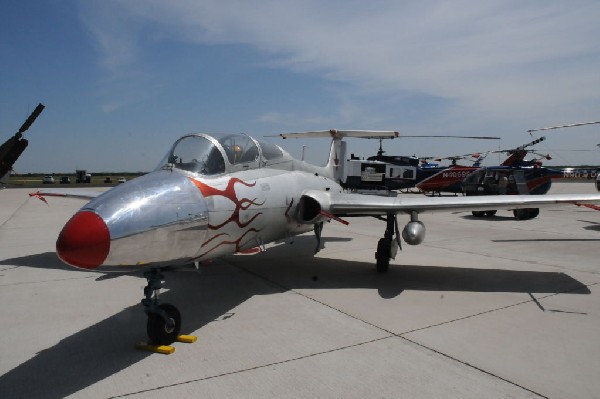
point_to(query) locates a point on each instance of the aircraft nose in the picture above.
(84, 241)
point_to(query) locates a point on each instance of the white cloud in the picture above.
(519, 61)
(447, 49)
(115, 34)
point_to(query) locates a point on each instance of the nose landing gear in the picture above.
(164, 320)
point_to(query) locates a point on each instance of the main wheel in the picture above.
(383, 255)
(534, 212)
(526, 213)
(159, 331)
(490, 213)
(478, 214)
(520, 214)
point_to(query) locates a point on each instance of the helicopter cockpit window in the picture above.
(408, 174)
(239, 148)
(197, 154)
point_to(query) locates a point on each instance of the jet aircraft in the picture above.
(213, 196)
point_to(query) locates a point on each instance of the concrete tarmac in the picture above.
(485, 307)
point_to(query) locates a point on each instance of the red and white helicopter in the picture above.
(212, 196)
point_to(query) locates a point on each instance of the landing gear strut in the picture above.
(164, 320)
(386, 247)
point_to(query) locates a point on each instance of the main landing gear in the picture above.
(520, 214)
(526, 213)
(387, 246)
(164, 320)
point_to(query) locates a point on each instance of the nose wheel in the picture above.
(163, 328)
(164, 320)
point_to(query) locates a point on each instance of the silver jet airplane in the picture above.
(214, 196)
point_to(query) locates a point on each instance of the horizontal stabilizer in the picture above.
(333, 133)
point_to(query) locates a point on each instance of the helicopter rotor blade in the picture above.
(560, 127)
(522, 147)
(545, 156)
(454, 137)
(36, 112)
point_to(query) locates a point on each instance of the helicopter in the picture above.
(396, 172)
(448, 179)
(451, 179)
(515, 176)
(576, 172)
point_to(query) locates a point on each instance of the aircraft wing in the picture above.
(344, 204)
(66, 193)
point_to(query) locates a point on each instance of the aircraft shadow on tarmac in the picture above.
(501, 218)
(45, 260)
(293, 269)
(494, 218)
(49, 260)
(594, 226)
(106, 348)
(551, 240)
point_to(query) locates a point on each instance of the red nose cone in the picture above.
(84, 241)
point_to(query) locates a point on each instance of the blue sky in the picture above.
(121, 80)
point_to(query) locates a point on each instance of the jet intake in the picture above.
(414, 233)
(310, 210)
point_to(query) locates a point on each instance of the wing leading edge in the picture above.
(345, 204)
(67, 193)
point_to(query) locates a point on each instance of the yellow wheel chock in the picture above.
(166, 349)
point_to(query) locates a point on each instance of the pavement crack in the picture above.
(526, 261)
(8, 219)
(472, 366)
(539, 305)
(497, 309)
(403, 335)
(45, 281)
(240, 371)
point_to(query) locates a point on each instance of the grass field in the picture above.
(36, 180)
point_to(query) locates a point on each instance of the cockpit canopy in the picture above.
(207, 155)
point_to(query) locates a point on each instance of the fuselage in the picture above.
(519, 180)
(200, 203)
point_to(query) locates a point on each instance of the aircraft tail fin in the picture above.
(337, 153)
